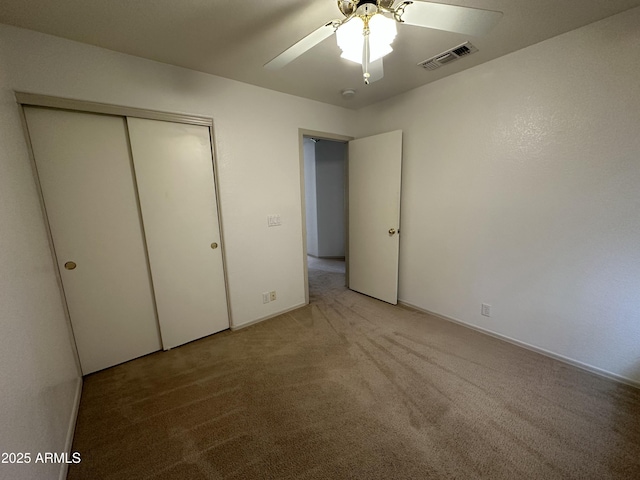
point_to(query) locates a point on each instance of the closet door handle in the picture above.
(70, 265)
(214, 245)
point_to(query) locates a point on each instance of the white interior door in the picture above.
(174, 172)
(85, 173)
(375, 165)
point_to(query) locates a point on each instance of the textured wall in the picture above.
(330, 177)
(521, 190)
(39, 377)
(311, 206)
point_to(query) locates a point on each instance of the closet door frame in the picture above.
(30, 99)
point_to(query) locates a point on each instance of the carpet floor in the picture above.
(349, 387)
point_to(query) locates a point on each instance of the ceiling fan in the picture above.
(369, 27)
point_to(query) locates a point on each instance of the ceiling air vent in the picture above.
(448, 56)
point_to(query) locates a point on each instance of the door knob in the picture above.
(70, 265)
(392, 231)
(214, 245)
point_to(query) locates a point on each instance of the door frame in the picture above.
(36, 100)
(334, 137)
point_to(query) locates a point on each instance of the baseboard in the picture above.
(262, 319)
(64, 468)
(576, 363)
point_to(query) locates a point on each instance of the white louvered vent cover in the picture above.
(449, 56)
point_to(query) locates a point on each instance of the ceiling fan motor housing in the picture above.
(363, 7)
(366, 9)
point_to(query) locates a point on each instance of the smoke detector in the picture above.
(348, 93)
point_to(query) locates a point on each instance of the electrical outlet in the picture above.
(486, 310)
(265, 297)
(274, 220)
(272, 296)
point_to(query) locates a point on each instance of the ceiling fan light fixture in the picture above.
(350, 37)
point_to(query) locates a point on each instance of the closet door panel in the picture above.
(174, 172)
(85, 172)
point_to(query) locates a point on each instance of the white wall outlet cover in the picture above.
(273, 220)
(486, 310)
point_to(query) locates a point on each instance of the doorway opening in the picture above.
(324, 168)
(372, 215)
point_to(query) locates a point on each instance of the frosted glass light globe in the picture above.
(350, 38)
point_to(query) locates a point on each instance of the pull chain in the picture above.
(366, 53)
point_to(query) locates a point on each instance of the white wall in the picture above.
(258, 168)
(330, 172)
(324, 165)
(311, 207)
(521, 189)
(39, 377)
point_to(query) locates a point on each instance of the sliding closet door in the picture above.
(84, 168)
(174, 171)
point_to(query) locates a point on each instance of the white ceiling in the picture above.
(234, 39)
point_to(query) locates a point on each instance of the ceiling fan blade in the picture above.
(376, 71)
(302, 46)
(452, 18)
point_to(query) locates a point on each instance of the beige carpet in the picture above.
(352, 388)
